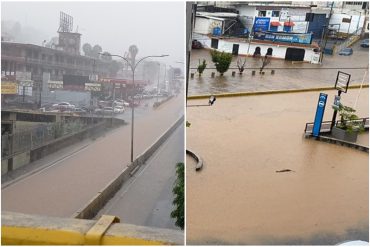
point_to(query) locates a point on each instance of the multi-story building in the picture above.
(38, 59)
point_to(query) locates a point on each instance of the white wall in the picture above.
(278, 51)
(206, 25)
(356, 20)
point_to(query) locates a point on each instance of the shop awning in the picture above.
(289, 24)
(275, 24)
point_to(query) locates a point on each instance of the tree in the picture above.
(106, 56)
(87, 49)
(178, 190)
(241, 65)
(114, 67)
(96, 50)
(201, 67)
(265, 61)
(221, 60)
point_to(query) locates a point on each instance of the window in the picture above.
(262, 13)
(275, 13)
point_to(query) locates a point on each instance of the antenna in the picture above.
(65, 23)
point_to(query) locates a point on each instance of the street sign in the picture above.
(341, 84)
(319, 114)
(336, 102)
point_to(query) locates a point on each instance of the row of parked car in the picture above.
(347, 51)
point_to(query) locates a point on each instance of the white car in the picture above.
(121, 102)
(64, 106)
(108, 110)
(119, 109)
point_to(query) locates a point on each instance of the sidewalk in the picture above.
(240, 198)
(293, 76)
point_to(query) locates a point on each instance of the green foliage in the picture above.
(221, 60)
(201, 67)
(179, 192)
(188, 124)
(347, 119)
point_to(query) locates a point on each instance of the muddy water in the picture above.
(239, 198)
(62, 189)
(302, 76)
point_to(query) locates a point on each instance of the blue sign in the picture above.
(261, 24)
(299, 38)
(319, 114)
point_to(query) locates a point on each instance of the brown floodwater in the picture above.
(239, 198)
(290, 76)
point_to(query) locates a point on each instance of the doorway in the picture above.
(294, 54)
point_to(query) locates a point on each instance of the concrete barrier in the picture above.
(338, 142)
(97, 203)
(24, 229)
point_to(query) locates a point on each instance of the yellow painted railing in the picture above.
(23, 229)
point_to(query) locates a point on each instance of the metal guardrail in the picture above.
(41, 135)
(325, 125)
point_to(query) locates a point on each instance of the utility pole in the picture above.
(326, 29)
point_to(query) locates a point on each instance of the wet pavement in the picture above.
(68, 184)
(239, 198)
(287, 75)
(135, 203)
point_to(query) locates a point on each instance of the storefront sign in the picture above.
(305, 38)
(261, 24)
(9, 88)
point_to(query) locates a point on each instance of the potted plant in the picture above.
(349, 125)
(201, 67)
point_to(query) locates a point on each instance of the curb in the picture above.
(203, 96)
(338, 142)
(199, 164)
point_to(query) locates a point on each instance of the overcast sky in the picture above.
(155, 27)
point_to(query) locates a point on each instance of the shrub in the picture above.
(221, 60)
(201, 67)
(348, 119)
(178, 190)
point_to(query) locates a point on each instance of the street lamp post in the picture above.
(133, 67)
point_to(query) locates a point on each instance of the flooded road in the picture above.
(239, 198)
(291, 76)
(146, 199)
(66, 186)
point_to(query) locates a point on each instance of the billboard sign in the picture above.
(319, 114)
(9, 88)
(261, 24)
(75, 82)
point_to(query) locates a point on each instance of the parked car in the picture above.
(98, 111)
(80, 110)
(108, 110)
(64, 106)
(122, 102)
(195, 44)
(365, 43)
(119, 109)
(346, 51)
